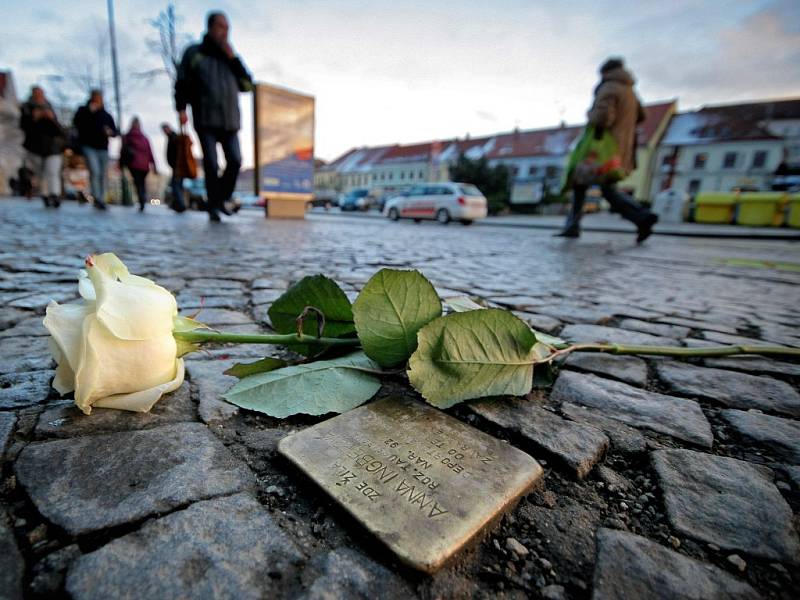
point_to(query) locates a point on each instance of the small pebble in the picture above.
(515, 547)
(546, 564)
(553, 592)
(674, 542)
(737, 562)
(713, 547)
(623, 506)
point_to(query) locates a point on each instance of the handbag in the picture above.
(594, 161)
(185, 164)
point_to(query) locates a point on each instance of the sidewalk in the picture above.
(610, 223)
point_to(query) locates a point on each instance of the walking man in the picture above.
(94, 127)
(616, 109)
(210, 78)
(44, 143)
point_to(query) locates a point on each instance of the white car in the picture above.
(443, 202)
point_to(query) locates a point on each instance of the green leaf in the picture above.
(242, 370)
(389, 312)
(316, 388)
(323, 294)
(473, 354)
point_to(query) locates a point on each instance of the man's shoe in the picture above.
(55, 202)
(221, 208)
(646, 228)
(568, 233)
(100, 205)
(213, 216)
(46, 200)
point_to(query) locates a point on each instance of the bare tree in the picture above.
(168, 43)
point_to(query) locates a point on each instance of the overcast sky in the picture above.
(405, 71)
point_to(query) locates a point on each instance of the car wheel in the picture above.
(443, 216)
(394, 215)
(417, 220)
(466, 222)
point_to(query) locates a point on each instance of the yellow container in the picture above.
(794, 211)
(761, 209)
(715, 207)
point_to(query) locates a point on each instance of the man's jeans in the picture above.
(219, 189)
(176, 185)
(622, 203)
(97, 161)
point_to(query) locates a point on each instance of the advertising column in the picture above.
(284, 150)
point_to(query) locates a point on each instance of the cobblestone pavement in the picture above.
(662, 478)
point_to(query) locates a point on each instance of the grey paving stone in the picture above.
(756, 365)
(629, 369)
(698, 324)
(65, 420)
(575, 313)
(205, 302)
(661, 329)
(11, 316)
(12, 565)
(18, 348)
(780, 435)
(735, 340)
(727, 502)
(793, 473)
(676, 417)
(266, 296)
(623, 438)
(93, 482)
(729, 388)
(219, 316)
(7, 422)
(32, 326)
(630, 566)
(211, 383)
(24, 389)
(343, 573)
(207, 283)
(539, 322)
(25, 364)
(613, 335)
(225, 548)
(578, 446)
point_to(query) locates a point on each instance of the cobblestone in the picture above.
(192, 501)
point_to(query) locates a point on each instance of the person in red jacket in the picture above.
(137, 156)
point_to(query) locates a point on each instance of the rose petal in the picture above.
(65, 322)
(85, 286)
(144, 400)
(132, 307)
(110, 366)
(64, 381)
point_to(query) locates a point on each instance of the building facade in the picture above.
(724, 148)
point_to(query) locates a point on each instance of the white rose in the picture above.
(115, 349)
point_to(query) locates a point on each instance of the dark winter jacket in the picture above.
(211, 82)
(617, 109)
(43, 136)
(141, 155)
(172, 149)
(91, 127)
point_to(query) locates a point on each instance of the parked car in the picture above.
(443, 202)
(355, 199)
(248, 201)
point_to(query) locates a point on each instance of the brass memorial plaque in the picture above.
(423, 482)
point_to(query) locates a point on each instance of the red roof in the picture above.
(655, 114)
(535, 142)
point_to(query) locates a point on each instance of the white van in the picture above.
(443, 202)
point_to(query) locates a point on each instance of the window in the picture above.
(666, 160)
(533, 169)
(759, 159)
(402, 174)
(422, 174)
(551, 171)
(514, 171)
(391, 176)
(700, 160)
(729, 161)
(694, 187)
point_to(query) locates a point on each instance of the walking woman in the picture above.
(137, 156)
(44, 142)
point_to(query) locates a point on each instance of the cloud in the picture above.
(485, 115)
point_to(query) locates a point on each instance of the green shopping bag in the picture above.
(593, 161)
